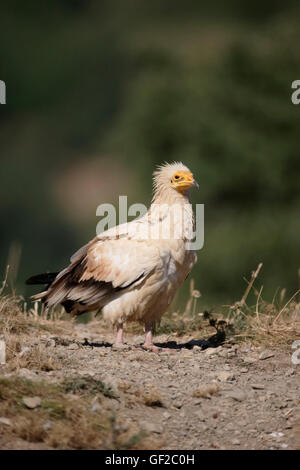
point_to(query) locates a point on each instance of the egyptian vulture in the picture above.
(131, 272)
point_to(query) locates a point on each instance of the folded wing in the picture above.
(102, 268)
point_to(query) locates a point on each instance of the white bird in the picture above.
(132, 271)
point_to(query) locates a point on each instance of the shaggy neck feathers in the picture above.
(170, 206)
(163, 192)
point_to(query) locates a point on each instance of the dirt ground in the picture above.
(235, 396)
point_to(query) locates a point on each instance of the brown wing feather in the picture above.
(88, 282)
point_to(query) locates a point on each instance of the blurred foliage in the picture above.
(131, 84)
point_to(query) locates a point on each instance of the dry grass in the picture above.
(66, 418)
(16, 325)
(152, 397)
(147, 395)
(206, 391)
(262, 325)
(36, 357)
(16, 318)
(88, 385)
(273, 324)
(63, 420)
(59, 422)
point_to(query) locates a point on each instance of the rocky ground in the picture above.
(235, 396)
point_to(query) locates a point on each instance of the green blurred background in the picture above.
(99, 92)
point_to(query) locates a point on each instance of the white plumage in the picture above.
(132, 272)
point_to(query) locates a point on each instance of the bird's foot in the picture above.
(148, 344)
(151, 347)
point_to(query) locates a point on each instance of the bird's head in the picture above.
(183, 180)
(174, 175)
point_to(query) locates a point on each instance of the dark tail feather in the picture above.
(46, 278)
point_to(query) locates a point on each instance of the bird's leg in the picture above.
(148, 344)
(119, 337)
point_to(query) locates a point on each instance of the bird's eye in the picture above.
(176, 177)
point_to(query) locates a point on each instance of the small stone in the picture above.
(73, 346)
(276, 434)
(50, 343)
(245, 349)
(249, 359)
(200, 415)
(95, 407)
(244, 370)
(47, 425)
(231, 354)
(120, 347)
(178, 404)
(258, 386)
(237, 395)
(2, 352)
(225, 376)
(24, 351)
(265, 355)
(28, 374)
(152, 427)
(210, 351)
(166, 415)
(32, 402)
(236, 442)
(5, 421)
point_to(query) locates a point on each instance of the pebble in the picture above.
(225, 376)
(28, 374)
(24, 351)
(237, 395)
(249, 359)
(32, 402)
(95, 407)
(73, 346)
(2, 352)
(210, 351)
(50, 343)
(236, 442)
(152, 427)
(265, 355)
(200, 415)
(5, 421)
(290, 372)
(120, 347)
(276, 434)
(178, 404)
(257, 386)
(47, 425)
